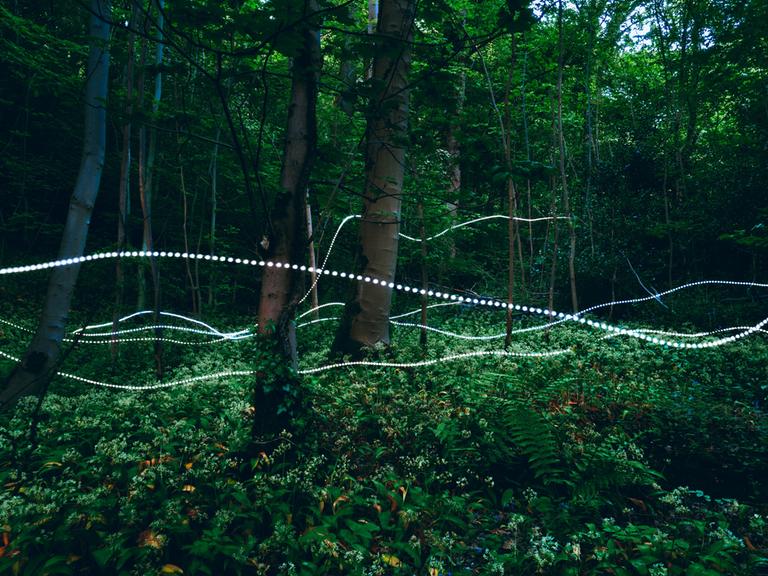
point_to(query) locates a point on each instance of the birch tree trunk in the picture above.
(39, 362)
(366, 318)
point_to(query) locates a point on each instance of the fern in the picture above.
(520, 427)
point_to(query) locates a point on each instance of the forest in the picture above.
(384, 287)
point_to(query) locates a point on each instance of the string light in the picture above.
(327, 255)
(441, 233)
(476, 220)
(557, 317)
(211, 330)
(432, 362)
(308, 371)
(316, 308)
(692, 335)
(418, 310)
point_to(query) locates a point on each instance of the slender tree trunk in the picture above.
(213, 170)
(40, 360)
(194, 288)
(553, 210)
(366, 322)
(424, 284)
(147, 155)
(346, 99)
(563, 175)
(124, 208)
(511, 233)
(453, 147)
(312, 260)
(373, 20)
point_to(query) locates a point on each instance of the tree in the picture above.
(285, 239)
(366, 318)
(41, 358)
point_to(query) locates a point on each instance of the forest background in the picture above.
(636, 130)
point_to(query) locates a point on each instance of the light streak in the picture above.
(556, 316)
(307, 371)
(327, 255)
(481, 219)
(211, 330)
(691, 334)
(316, 308)
(402, 235)
(315, 321)
(432, 362)
(418, 310)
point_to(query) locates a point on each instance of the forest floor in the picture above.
(617, 457)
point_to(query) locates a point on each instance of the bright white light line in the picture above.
(211, 330)
(327, 255)
(454, 227)
(316, 308)
(142, 339)
(578, 317)
(232, 373)
(691, 335)
(476, 220)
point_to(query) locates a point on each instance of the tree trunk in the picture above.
(213, 170)
(124, 208)
(39, 362)
(312, 260)
(563, 176)
(276, 393)
(148, 189)
(366, 318)
(424, 284)
(286, 243)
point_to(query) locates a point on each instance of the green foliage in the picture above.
(485, 468)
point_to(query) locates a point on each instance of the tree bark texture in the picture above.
(39, 361)
(286, 241)
(366, 321)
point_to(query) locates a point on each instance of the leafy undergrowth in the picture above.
(616, 458)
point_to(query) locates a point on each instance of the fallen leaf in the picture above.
(149, 538)
(392, 560)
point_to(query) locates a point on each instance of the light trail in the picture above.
(482, 219)
(556, 316)
(244, 373)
